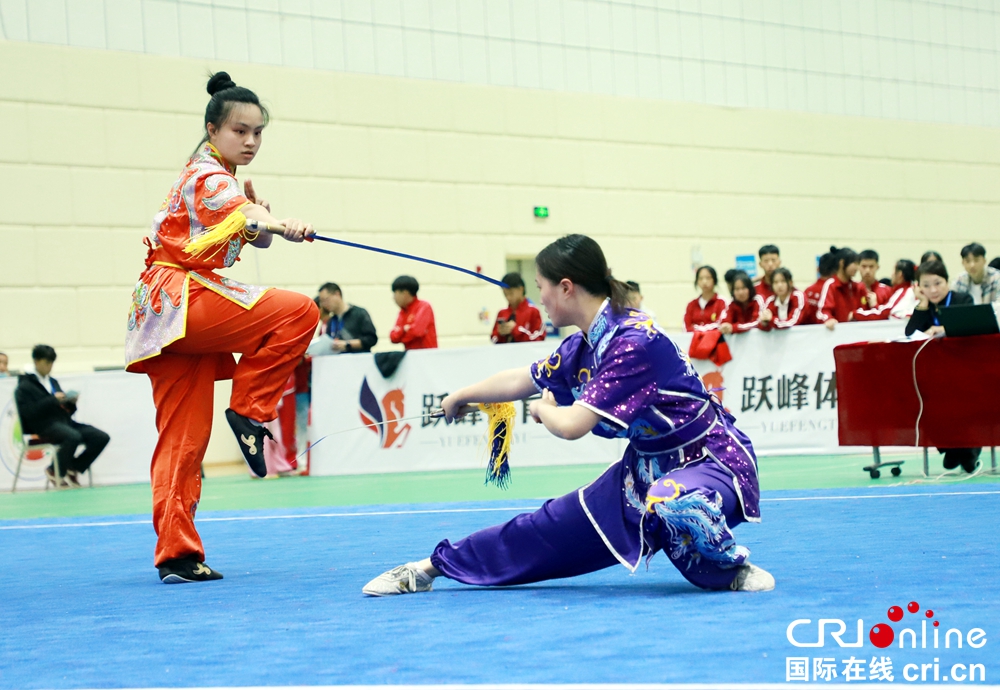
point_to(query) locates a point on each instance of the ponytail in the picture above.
(618, 292)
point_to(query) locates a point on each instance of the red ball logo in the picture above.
(881, 635)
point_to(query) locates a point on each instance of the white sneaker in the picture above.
(403, 579)
(750, 578)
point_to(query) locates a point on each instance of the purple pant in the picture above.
(559, 540)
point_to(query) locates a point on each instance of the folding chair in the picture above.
(29, 442)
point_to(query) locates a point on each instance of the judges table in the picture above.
(935, 393)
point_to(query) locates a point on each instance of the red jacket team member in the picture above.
(743, 313)
(415, 325)
(186, 321)
(786, 307)
(901, 303)
(841, 295)
(520, 321)
(770, 261)
(868, 267)
(827, 266)
(705, 313)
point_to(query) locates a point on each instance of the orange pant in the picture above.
(272, 338)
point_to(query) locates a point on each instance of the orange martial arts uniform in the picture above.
(184, 325)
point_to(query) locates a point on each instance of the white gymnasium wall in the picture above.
(909, 59)
(435, 127)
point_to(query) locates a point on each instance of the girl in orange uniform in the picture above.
(186, 322)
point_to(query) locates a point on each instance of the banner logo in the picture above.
(382, 416)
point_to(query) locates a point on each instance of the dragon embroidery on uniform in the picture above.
(697, 529)
(642, 322)
(233, 253)
(551, 364)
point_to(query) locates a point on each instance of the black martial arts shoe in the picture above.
(250, 436)
(186, 570)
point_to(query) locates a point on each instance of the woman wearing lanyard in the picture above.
(933, 293)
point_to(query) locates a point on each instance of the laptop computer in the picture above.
(977, 319)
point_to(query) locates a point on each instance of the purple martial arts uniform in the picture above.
(687, 477)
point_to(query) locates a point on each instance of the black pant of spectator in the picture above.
(966, 457)
(69, 435)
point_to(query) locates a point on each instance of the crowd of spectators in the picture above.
(847, 288)
(347, 328)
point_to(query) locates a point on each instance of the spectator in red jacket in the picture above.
(826, 268)
(876, 293)
(743, 313)
(786, 307)
(901, 302)
(520, 321)
(415, 325)
(705, 313)
(841, 295)
(770, 261)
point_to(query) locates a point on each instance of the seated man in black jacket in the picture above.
(350, 326)
(46, 410)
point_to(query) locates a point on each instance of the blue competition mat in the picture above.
(83, 608)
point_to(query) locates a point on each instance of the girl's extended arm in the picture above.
(295, 229)
(569, 423)
(505, 386)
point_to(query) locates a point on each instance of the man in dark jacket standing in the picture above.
(46, 410)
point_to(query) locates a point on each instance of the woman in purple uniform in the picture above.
(687, 478)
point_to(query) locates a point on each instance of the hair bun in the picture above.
(220, 81)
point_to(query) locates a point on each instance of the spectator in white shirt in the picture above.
(979, 280)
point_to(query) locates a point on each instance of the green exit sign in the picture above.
(541, 211)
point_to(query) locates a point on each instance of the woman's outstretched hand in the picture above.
(251, 195)
(454, 407)
(297, 230)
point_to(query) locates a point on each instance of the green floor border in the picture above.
(242, 493)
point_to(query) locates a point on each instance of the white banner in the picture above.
(348, 390)
(120, 404)
(780, 386)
